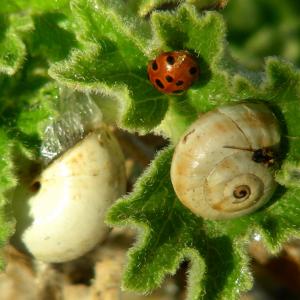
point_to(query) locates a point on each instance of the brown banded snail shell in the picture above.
(220, 168)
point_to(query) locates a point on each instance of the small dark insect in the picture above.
(263, 155)
(173, 72)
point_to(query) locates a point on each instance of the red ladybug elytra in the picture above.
(173, 72)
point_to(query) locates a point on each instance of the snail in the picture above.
(223, 166)
(60, 216)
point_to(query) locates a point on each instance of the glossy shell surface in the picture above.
(173, 72)
(64, 218)
(218, 182)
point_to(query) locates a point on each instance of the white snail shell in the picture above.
(65, 217)
(216, 182)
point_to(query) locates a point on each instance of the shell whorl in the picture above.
(219, 182)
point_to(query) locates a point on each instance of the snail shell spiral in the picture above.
(220, 182)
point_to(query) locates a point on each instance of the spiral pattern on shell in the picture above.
(217, 181)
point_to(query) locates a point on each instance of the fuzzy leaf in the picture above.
(144, 7)
(27, 98)
(45, 30)
(16, 6)
(7, 181)
(217, 250)
(26, 104)
(115, 47)
(115, 59)
(281, 90)
(36, 112)
(12, 49)
(115, 63)
(204, 36)
(170, 233)
(50, 39)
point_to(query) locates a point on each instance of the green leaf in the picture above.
(280, 89)
(145, 7)
(50, 38)
(114, 63)
(35, 114)
(16, 6)
(204, 36)
(45, 30)
(27, 103)
(12, 49)
(217, 250)
(112, 52)
(28, 98)
(169, 233)
(114, 60)
(7, 182)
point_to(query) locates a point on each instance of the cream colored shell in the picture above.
(206, 175)
(65, 217)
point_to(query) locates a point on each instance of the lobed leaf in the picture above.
(280, 89)
(12, 49)
(113, 48)
(16, 6)
(7, 182)
(217, 250)
(205, 37)
(113, 63)
(116, 53)
(171, 233)
(51, 38)
(27, 98)
(145, 7)
(26, 105)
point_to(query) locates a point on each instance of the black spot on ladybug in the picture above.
(159, 83)
(154, 66)
(193, 70)
(169, 78)
(170, 60)
(177, 91)
(179, 82)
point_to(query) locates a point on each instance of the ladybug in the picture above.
(173, 72)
